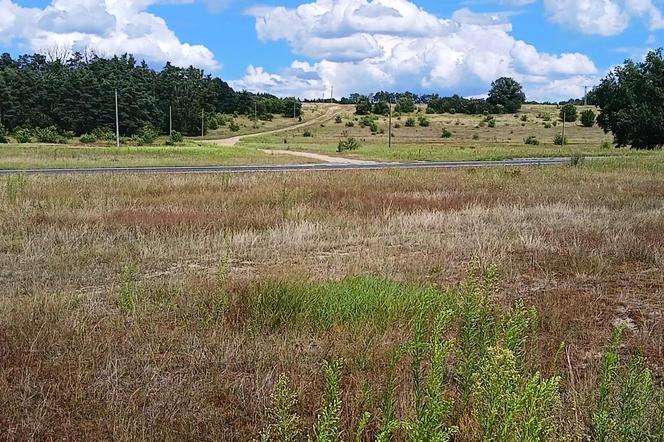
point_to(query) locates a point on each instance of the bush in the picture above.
(373, 127)
(531, 140)
(3, 135)
(547, 125)
(559, 140)
(176, 137)
(446, 133)
(546, 116)
(569, 113)
(350, 124)
(147, 135)
(588, 118)
(410, 122)
(424, 121)
(476, 137)
(47, 134)
(337, 119)
(307, 133)
(88, 138)
(605, 145)
(397, 125)
(524, 117)
(347, 143)
(492, 123)
(233, 126)
(103, 133)
(23, 135)
(212, 122)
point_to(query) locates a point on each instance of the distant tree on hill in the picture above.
(588, 118)
(568, 113)
(631, 101)
(507, 95)
(405, 105)
(381, 108)
(363, 106)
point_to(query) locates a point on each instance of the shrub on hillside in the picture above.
(350, 124)
(47, 134)
(531, 140)
(147, 135)
(233, 126)
(23, 135)
(347, 143)
(307, 133)
(559, 140)
(410, 122)
(88, 139)
(176, 137)
(337, 119)
(568, 113)
(588, 118)
(423, 121)
(446, 133)
(103, 134)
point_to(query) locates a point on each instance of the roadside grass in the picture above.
(22, 156)
(170, 307)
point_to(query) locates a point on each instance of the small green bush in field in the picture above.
(423, 121)
(531, 140)
(88, 139)
(446, 133)
(176, 137)
(307, 133)
(47, 134)
(337, 119)
(559, 140)
(23, 135)
(410, 122)
(350, 124)
(147, 135)
(347, 143)
(103, 134)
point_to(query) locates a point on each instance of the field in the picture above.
(222, 307)
(470, 139)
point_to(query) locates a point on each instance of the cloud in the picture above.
(366, 45)
(603, 17)
(108, 27)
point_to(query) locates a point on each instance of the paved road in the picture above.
(290, 167)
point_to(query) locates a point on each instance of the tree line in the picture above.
(78, 95)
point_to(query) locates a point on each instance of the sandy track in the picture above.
(330, 113)
(317, 156)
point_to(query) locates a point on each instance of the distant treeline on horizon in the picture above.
(394, 97)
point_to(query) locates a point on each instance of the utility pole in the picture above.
(389, 126)
(331, 94)
(202, 122)
(117, 122)
(564, 118)
(585, 95)
(255, 115)
(170, 121)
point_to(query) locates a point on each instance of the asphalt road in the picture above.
(290, 167)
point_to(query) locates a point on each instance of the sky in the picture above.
(307, 48)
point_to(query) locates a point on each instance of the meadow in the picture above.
(384, 305)
(470, 137)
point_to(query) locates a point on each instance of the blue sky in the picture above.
(289, 47)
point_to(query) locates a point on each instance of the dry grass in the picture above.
(91, 350)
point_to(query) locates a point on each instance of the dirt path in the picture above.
(317, 156)
(330, 113)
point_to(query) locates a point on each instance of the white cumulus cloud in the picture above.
(366, 45)
(603, 17)
(105, 26)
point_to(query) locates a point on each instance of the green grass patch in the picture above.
(358, 301)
